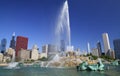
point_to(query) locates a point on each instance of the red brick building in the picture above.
(21, 43)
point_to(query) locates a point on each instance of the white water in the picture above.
(63, 25)
(55, 59)
(62, 31)
(13, 64)
(42, 64)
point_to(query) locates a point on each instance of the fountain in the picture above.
(42, 64)
(62, 30)
(55, 60)
(13, 64)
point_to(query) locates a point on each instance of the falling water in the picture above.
(62, 30)
(13, 57)
(13, 64)
(63, 25)
(55, 59)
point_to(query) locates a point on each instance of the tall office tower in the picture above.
(3, 45)
(21, 43)
(88, 48)
(45, 49)
(52, 49)
(62, 46)
(12, 42)
(106, 43)
(116, 44)
(99, 48)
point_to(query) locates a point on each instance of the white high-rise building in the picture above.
(88, 48)
(106, 43)
(35, 53)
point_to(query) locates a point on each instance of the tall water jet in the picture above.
(62, 30)
(13, 57)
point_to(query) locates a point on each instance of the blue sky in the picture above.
(36, 19)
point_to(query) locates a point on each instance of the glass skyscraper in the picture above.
(12, 42)
(62, 46)
(116, 44)
(99, 48)
(3, 45)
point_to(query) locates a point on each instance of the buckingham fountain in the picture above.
(63, 32)
(64, 58)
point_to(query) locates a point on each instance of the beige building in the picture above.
(1, 57)
(23, 55)
(10, 51)
(43, 55)
(112, 54)
(95, 52)
(6, 59)
(34, 53)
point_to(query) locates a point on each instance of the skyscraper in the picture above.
(99, 48)
(52, 49)
(88, 48)
(12, 42)
(106, 43)
(21, 43)
(116, 44)
(45, 49)
(62, 46)
(3, 45)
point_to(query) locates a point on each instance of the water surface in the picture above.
(40, 71)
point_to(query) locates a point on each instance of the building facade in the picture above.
(10, 51)
(99, 48)
(1, 57)
(35, 53)
(112, 53)
(23, 55)
(21, 43)
(45, 49)
(62, 46)
(52, 49)
(12, 42)
(3, 45)
(88, 48)
(116, 44)
(106, 43)
(95, 52)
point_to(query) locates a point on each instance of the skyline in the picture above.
(37, 20)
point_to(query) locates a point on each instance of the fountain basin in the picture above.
(13, 65)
